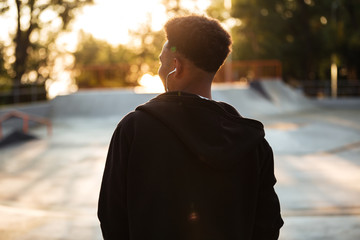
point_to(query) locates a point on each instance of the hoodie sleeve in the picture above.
(112, 206)
(268, 219)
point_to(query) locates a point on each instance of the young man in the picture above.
(183, 166)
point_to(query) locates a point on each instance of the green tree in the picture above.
(38, 24)
(3, 72)
(306, 35)
(149, 48)
(99, 64)
(344, 35)
(4, 77)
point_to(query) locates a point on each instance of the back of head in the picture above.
(200, 39)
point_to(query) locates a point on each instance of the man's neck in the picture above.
(202, 91)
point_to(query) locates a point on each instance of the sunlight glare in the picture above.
(150, 84)
(63, 86)
(112, 20)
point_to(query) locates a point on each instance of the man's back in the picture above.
(189, 168)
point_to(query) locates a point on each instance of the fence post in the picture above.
(25, 123)
(334, 80)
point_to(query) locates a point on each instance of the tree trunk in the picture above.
(22, 43)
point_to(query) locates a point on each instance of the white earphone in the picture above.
(166, 80)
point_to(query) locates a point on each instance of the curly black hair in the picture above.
(200, 39)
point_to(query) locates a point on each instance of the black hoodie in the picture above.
(184, 167)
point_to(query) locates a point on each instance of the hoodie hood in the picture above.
(214, 131)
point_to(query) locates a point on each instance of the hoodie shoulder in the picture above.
(228, 108)
(232, 111)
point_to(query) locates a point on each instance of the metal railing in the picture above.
(22, 94)
(26, 118)
(322, 88)
(250, 70)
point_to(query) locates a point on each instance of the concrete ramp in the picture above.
(246, 100)
(284, 97)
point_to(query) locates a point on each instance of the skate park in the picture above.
(50, 185)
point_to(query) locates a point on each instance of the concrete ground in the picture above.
(49, 187)
(317, 164)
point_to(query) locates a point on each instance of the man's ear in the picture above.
(179, 66)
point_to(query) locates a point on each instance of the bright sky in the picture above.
(111, 20)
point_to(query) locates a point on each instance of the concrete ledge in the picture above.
(98, 103)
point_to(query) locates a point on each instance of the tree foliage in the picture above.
(306, 35)
(38, 24)
(148, 50)
(99, 64)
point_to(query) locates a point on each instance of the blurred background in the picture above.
(49, 48)
(71, 69)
